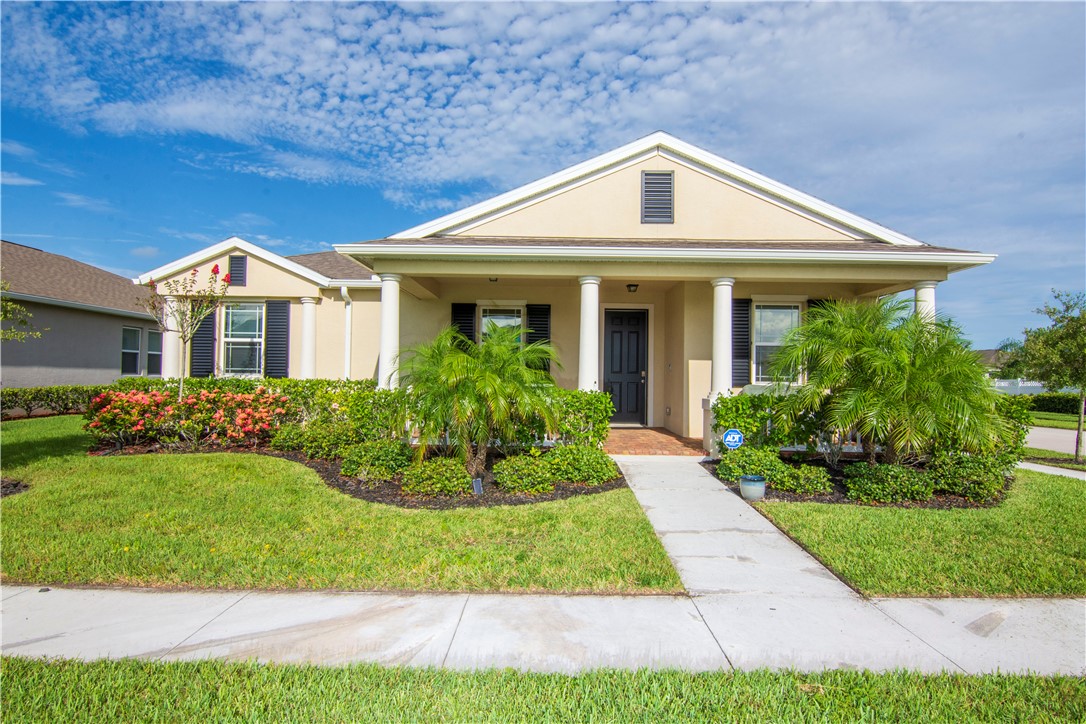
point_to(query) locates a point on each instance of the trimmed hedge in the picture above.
(765, 461)
(583, 464)
(528, 474)
(377, 459)
(979, 478)
(1065, 402)
(59, 399)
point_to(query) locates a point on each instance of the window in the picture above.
(771, 323)
(243, 339)
(154, 352)
(130, 350)
(501, 316)
(657, 197)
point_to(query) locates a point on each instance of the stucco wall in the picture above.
(79, 348)
(609, 206)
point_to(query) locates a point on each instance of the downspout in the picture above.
(346, 332)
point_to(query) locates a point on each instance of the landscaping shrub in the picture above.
(752, 415)
(765, 461)
(805, 480)
(979, 478)
(527, 473)
(887, 483)
(1065, 402)
(581, 464)
(377, 459)
(228, 418)
(750, 460)
(437, 476)
(289, 437)
(584, 418)
(328, 440)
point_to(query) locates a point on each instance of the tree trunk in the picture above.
(1078, 432)
(182, 367)
(477, 461)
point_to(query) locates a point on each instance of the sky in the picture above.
(134, 134)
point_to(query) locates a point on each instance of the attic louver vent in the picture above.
(657, 197)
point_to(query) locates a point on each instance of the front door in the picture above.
(625, 362)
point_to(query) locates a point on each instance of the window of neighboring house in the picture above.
(501, 316)
(657, 197)
(154, 352)
(130, 350)
(243, 339)
(771, 323)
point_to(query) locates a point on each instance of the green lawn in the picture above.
(1060, 420)
(247, 521)
(133, 690)
(1033, 544)
(1066, 460)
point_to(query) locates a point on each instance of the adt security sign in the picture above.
(733, 439)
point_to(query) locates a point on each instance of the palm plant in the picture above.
(900, 380)
(470, 396)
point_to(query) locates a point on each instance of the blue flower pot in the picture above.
(752, 487)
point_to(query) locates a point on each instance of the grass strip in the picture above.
(1054, 458)
(1059, 420)
(1032, 544)
(129, 690)
(237, 521)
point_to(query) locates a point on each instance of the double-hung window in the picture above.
(154, 352)
(771, 323)
(243, 339)
(501, 317)
(130, 350)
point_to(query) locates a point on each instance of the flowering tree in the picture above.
(19, 329)
(183, 307)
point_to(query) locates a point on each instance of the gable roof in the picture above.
(658, 142)
(318, 268)
(39, 276)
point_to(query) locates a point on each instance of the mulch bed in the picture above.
(11, 487)
(387, 492)
(839, 497)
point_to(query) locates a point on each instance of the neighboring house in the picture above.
(662, 273)
(93, 328)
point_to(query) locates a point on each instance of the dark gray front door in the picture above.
(625, 362)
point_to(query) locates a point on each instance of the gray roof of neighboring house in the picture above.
(38, 273)
(333, 265)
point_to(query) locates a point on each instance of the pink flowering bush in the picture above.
(207, 416)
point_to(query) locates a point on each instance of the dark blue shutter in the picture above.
(276, 338)
(539, 324)
(202, 352)
(238, 267)
(740, 342)
(463, 319)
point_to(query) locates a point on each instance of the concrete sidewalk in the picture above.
(1052, 438)
(758, 600)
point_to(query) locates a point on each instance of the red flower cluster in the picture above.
(228, 418)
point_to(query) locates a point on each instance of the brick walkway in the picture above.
(650, 441)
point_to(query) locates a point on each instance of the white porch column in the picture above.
(309, 338)
(387, 375)
(347, 325)
(171, 349)
(722, 337)
(925, 299)
(588, 370)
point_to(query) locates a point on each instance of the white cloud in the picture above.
(79, 201)
(10, 178)
(146, 252)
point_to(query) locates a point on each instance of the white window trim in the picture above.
(799, 301)
(138, 350)
(221, 345)
(519, 304)
(159, 353)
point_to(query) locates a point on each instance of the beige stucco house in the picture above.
(662, 273)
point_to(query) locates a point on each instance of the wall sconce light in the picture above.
(631, 288)
(493, 279)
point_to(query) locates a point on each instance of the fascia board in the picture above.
(630, 151)
(198, 257)
(77, 305)
(556, 253)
